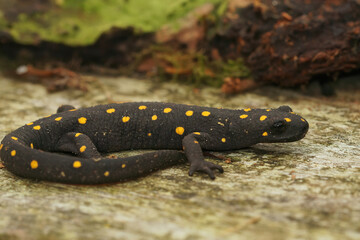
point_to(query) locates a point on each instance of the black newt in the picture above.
(37, 149)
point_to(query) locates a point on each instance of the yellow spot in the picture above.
(125, 119)
(197, 133)
(263, 117)
(124, 165)
(62, 174)
(223, 139)
(71, 110)
(37, 127)
(34, 164)
(292, 112)
(189, 113)
(167, 110)
(243, 116)
(82, 120)
(247, 109)
(180, 130)
(142, 107)
(13, 153)
(287, 119)
(58, 118)
(31, 123)
(32, 145)
(149, 134)
(47, 116)
(265, 134)
(268, 110)
(78, 134)
(15, 138)
(77, 164)
(196, 141)
(106, 173)
(154, 117)
(1, 146)
(82, 148)
(110, 110)
(302, 119)
(205, 113)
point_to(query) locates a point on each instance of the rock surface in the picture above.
(303, 190)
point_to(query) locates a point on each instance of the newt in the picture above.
(66, 147)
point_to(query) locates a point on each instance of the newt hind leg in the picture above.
(78, 144)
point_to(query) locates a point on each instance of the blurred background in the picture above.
(234, 44)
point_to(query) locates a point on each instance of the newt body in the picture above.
(35, 150)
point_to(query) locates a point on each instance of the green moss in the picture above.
(218, 71)
(191, 68)
(235, 68)
(76, 22)
(2, 21)
(205, 72)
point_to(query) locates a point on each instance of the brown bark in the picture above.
(294, 40)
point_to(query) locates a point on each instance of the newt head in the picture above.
(283, 125)
(268, 126)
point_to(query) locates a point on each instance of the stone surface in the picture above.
(302, 190)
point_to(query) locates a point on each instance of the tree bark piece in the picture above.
(290, 42)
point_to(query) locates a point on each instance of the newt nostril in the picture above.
(305, 128)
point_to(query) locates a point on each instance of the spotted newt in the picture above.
(66, 146)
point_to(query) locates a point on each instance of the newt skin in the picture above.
(37, 149)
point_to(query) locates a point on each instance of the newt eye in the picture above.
(279, 126)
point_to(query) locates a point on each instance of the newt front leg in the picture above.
(192, 145)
